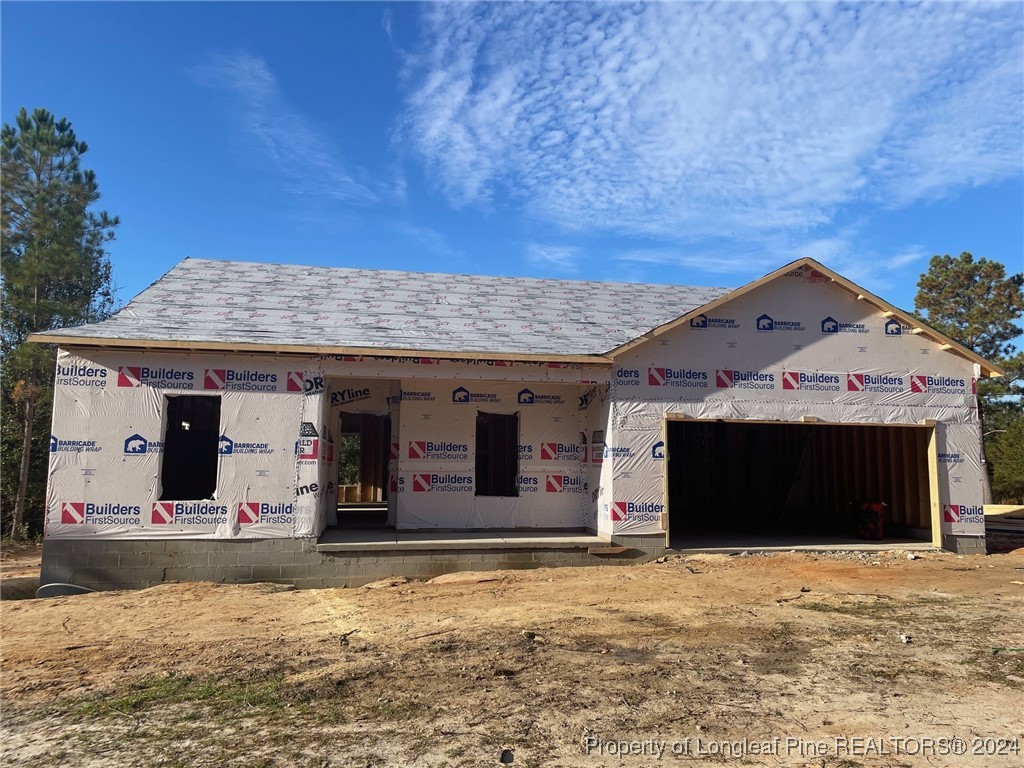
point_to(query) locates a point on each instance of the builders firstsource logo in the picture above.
(80, 376)
(635, 511)
(677, 377)
(627, 377)
(165, 378)
(188, 513)
(561, 452)
(439, 483)
(884, 383)
(811, 382)
(564, 484)
(527, 484)
(963, 513)
(726, 379)
(937, 385)
(239, 380)
(265, 513)
(88, 513)
(429, 449)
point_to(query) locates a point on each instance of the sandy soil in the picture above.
(19, 571)
(678, 661)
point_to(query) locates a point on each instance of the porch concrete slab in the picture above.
(389, 539)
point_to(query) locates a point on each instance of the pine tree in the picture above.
(977, 304)
(1008, 463)
(56, 273)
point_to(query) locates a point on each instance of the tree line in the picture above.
(56, 272)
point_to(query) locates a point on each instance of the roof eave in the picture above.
(300, 349)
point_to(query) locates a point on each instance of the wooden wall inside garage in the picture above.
(798, 472)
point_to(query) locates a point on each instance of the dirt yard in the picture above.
(845, 660)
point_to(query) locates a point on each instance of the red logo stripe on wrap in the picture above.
(248, 512)
(129, 376)
(214, 378)
(72, 512)
(163, 513)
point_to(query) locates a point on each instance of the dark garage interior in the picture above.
(772, 484)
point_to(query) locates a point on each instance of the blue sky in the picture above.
(672, 143)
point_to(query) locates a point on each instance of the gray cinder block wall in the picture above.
(136, 564)
(964, 545)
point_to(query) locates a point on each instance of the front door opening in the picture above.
(364, 453)
(188, 467)
(765, 484)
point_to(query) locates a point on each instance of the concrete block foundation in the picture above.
(136, 564)
(964, 545)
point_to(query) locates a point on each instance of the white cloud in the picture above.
(426, 239)
(301, 153)
(682, 120)
(558, 258)
(719, 259)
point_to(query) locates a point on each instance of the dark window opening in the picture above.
(189, 468)
(497, 454)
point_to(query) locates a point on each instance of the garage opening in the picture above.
(735, 484)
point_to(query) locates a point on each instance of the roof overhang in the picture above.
(186, 347)
(918, 327)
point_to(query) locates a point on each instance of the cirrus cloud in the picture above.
(691, 120)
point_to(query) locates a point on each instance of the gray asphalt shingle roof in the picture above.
(202, 300)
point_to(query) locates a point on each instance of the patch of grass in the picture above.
(862, 610)
(403, 709)
(1003, 668)
(227, 694)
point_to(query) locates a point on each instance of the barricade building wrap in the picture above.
(593, 430)
(766, 356)
(107, 444)
(278, 438)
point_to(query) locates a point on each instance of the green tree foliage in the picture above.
(56, 273)
(977, 304)
(1007, 456)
